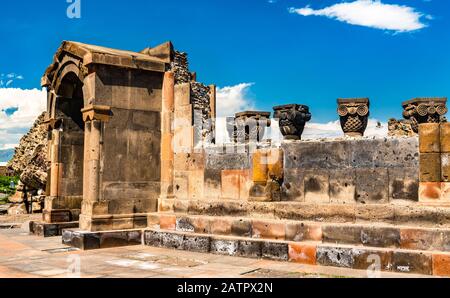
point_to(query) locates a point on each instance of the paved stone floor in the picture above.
(22, 255)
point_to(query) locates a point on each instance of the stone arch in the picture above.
(66, 137)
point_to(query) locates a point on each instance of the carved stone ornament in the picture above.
(425, 110)
(248, 126)
(292, 120)
(354, 115)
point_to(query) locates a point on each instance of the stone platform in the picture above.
(401, 238)
(51, 229)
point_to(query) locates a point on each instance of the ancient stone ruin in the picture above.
(30, 163)
(133, 161)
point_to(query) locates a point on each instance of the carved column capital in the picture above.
(97, 112)
(354, 115)
(425, 110)
(292, 119)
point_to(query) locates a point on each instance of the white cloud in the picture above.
(233, 99)
(370, 13)
(6, 80)
(29, 104)
(334, 130)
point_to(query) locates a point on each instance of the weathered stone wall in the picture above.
(366, 171)
(130, 180)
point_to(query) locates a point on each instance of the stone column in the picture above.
(167, 150)
(94, 117)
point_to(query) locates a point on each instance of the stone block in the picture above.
(317, 187)
(372, 186)
(196, 184)
(275, 251)
(430, 191)
(369, 259)
(421, 239)
(250, 249)
(241, 228)
(430, 167)
(231, 184)
(171, 240)
(189, 161)
(445, 191)
(268, 230)
(260, 166)
(339, 213)
(293, 188)
(152, 238)
(220, 226)
(224, 247)
(212, 183)
(113, 239)
(441, 265)
(275, 165)
(412, 262)
(201, 224)
(196, 243)
(303, 232)
(334, 256)
(184, 224)
(429, 138)
(245, 184)
(302, 253)
(341, 234)
(380, 237)
(182, 94)
(403, 184)
(370, 213)
(342, 186)
(445, 167)
(445, 137)
(181, 185)
(167, 222)
(180, 206)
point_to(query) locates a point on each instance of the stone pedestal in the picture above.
(248, 126)
(354, 115)
(425, 110)
(292, 119)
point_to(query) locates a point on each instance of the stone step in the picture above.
(307, 252)
(398, 214)
(364, 234)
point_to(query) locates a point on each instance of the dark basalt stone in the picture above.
(292, 119)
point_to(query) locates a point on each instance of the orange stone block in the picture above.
(441, 265)
(445, 167)
(245, 183)
(302, 253)
(268, 230)
(429, 191)
(275, 163)
(445, 137)
(167, 222)
(429, 138)
(260, 166)
(445, 191)
(220, 226)
(430, 167)
(231, 184)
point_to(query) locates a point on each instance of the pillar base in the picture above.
(85, 240)
(108, 222)
(43, 229)
(61, 215)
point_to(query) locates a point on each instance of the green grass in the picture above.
(5, 183)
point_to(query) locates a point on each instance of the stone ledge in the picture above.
(310, 253)
(51, 229)
(98, 240)
(364, 234)
(417, 214)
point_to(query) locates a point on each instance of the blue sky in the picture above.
(306, 56)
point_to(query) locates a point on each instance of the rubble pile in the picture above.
(400, 128)
(30, 162)
(180, 67)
